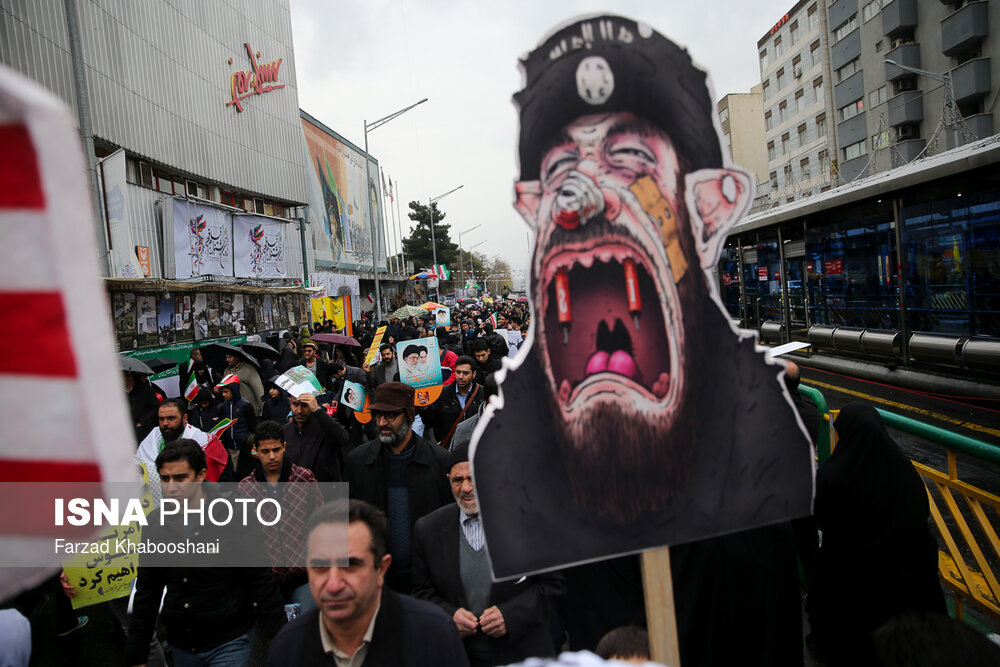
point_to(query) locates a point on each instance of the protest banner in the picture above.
(373, 349)
(299, 380)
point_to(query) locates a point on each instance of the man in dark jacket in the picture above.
(359, 620)
(142, 402)
(208, 612)
(459, 401)
(501, 623)
(314, 439)
(310, 359)
(400, 473)
(486, 363)
(289, 354)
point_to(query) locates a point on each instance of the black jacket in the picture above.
(365, 470)
(316, 445)
(322, 371)
(444, 412)
(408, 633)
(143, 404)
(204, 606)
(524, 603)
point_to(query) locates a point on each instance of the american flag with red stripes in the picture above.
(62, 402)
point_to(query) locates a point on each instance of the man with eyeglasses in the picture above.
(400, 473)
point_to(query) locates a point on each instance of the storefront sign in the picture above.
(726, 279)
(261, 78)
(833, 267)
(781, 22)
(142, 252)
(762, 273)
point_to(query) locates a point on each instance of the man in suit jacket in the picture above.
(500, 623)
(459, 401)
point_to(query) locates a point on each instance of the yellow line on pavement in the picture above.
(910, 408)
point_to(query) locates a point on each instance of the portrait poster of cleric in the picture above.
(635, 415)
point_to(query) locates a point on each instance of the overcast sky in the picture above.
(360, 60)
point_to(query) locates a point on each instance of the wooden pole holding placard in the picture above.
(661, 621)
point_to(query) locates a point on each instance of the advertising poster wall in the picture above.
(165, 319)
(123, 311)
(125, 263)
(338, 186)
(184, 318)
(146, 325)
(201, 316)
(259, 247)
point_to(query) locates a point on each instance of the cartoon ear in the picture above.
(528, 199)
(716, 200)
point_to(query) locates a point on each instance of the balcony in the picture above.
(910, 149)
(962, 30)
(906, 108)
(981, 125)
(904, 54)
(840, 11)
(846, 49)
(851, 169)
(971, 80)
(851, 131)
(850, 89)
(899, 16)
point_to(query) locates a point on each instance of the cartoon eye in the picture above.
(560, 164)
(631, 151)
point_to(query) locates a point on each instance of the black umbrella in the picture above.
(215, 355)
(134, 365)
(261, 350)
(160, 364)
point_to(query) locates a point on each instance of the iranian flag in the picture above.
(192, 389)
(492, 320)
(442, 271)
(221, 427)
(371, 298)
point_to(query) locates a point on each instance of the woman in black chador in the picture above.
(878, 556)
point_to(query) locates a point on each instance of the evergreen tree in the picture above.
(418, 245)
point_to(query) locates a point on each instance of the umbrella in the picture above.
(160, 364)
(430, 305)
(336, 339)
(134, 365)
(409, 311)
(214, 354)
(423, 275)
(522, 299)
(261, 350)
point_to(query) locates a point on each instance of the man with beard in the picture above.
(459, 401)
(173, 422)
(624, 182)
(400, 473)
(500, 623)
(387, 370)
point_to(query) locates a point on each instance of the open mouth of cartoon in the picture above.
(605, 322)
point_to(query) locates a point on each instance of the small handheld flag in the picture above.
(232, 378)
(192, 389)
(221, 427)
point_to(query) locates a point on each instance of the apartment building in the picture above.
(741, 117)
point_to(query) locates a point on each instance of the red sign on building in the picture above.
(762, 273)
(726, 279)
(833, 267)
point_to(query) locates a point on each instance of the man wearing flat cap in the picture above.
(400, 473)
(639, 412)
(500, 623)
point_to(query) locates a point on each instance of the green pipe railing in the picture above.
(960, 444)
(823, 442)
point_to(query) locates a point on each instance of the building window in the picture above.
(821, 125)
(818, 90)
(869, 11)
(847, 70)
(781, 78)
(846, 29)
(770, 150)
(724, 115)
(804, 166)
(788, 174)
(855, 150)
(813, 18)
(773, 177)
(778, 47)
(800, 103)
(768, 121)
(877, 96)
(815, 55)
(145, 175)
(782, 111)
(852, 110)
(793, 32)
(766, 85)
(802, 135)
(785, 144)
(763, 60)
(878, 46)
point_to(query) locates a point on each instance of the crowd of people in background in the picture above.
(418, 589)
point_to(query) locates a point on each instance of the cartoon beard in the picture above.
(616, 373)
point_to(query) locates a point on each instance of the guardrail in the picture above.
(823, 442)
(964, 527)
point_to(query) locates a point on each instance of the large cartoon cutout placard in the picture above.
(635, 416)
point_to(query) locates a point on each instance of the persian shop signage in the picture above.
(259, 79)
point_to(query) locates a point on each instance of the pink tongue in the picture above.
(597, 363)
(620, 362)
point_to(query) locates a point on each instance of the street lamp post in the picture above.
(461, 261)
(369, 127)
(430, 212)
(472, 263)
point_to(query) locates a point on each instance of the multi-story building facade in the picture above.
(741, 117)
(910, 78)
(798, 105)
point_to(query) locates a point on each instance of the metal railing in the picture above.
(964, 515)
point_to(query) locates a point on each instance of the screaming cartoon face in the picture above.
(608, 324)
